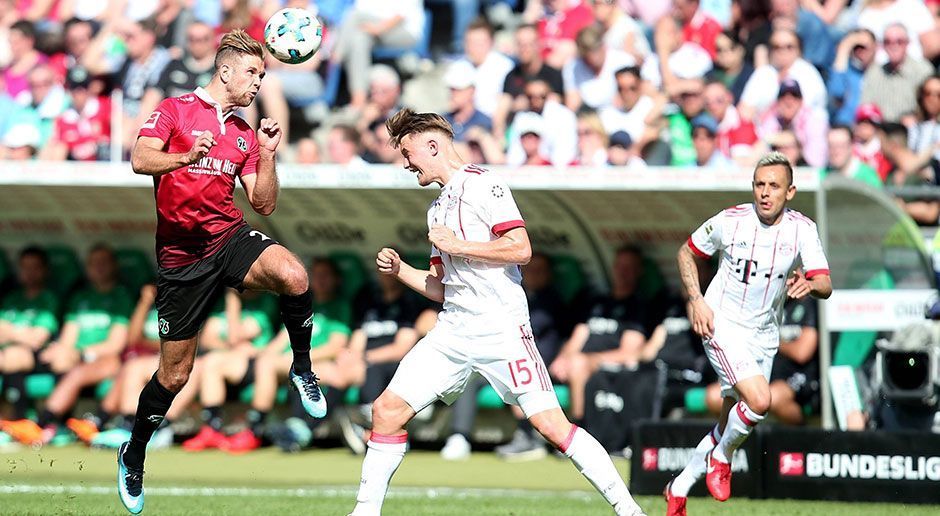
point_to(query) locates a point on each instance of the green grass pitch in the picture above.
(77, 481)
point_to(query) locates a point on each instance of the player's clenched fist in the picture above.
(797, 286)
(204, 142)
(702, 318)
(388, 261)
(269, 134)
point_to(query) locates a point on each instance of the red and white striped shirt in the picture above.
(750, 286)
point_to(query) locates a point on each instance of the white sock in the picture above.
(594, 463)
(383, 456)
(741, 420)
(695, 469)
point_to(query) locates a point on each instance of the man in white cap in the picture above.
(558, 145)
(463, 115)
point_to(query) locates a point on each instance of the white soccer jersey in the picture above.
(750, 286)
(478, 206)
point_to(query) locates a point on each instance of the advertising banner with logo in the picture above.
(662, 449)
(852, 466)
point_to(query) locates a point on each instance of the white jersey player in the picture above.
(478, 242)
(767, 252)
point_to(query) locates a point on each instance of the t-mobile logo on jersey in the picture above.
(792, 464)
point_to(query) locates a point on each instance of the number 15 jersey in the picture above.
(750, 286)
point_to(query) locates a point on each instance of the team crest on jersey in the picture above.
(187, 98)
(785, 249)
(498, 191)
(242, 144)
(164, 326)
(452, 202)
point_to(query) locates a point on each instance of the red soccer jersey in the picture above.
(83, 132)
(195, 211)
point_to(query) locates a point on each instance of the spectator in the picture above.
(28, 320)
(892, 86)
(620, 152)
(737, 138)
(675, 60)
(491, 66)
(140, 70)
(463, 115)
(558, 22)
(908, 166)
(22, 139)
(788, 144)
(691, 105)
(384, 101)
(648, 13)
(867, 142)
(482, 147)
(730, 67)
(925, 134)
(240, 14)
(705, 141)
(46, 97)
(89, 347)
(918, 23)
(78, 37)
(392, 24)
(841, 15)
(342, 146)
(854, 56)
(378, 147)
(529, 67)
(813, 33)
(785, 63)
(25, 57)
(589, 79)
(83, 131)
(843, 162)
(697, 26)
(190, 71)
(621, 32)
(545, 312)
(233, 337)
(750, 23)
(307, 152)
(384, 319)
(794, 380)
(633, 111)
(559, 145)
(613, 333)
(531, 136)
(592, 141)
(807, 123)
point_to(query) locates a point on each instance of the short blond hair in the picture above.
(407, 122)
(237, 42)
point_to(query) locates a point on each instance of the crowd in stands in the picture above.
(76, 349)
(538, 82)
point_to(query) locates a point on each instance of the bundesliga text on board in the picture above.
(860, 466)
(675, 459)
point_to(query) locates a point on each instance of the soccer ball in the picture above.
(293, 35)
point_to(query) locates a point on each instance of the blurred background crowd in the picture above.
(846, 86)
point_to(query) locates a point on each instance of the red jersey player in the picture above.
(195, 147)
(764, 249)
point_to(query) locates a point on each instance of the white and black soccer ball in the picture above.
(293, 35)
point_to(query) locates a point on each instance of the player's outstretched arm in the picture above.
(511, 248)
(426, 283)
(700, 315)
(148, 157)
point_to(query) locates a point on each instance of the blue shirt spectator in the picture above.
(854, 55)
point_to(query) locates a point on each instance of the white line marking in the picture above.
(300, 492)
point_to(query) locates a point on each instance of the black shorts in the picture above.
(802, 379)
(186, 295)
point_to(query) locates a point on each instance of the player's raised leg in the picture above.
(279, 271)
(741, 420)
(588, 456)
(677, 491)
(385, 451)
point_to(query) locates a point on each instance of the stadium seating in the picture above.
(353, 272)
(65, 270)
(135, 268)
(569, 276)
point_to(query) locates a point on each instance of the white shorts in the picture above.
(737, 353)
(440, 364)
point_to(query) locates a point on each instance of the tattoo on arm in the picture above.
(689, 274)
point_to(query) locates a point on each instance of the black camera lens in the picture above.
(907, 371)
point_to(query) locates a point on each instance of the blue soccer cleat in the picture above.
(130, 484)
(309, 390)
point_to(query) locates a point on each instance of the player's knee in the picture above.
(295, 278)
(759, 402)
(175, 379)
(388, 414)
